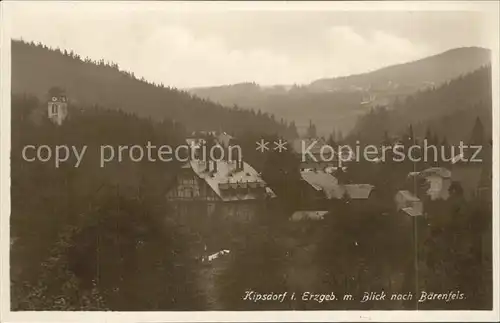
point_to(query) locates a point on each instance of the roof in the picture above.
(436, 171)
(432, 171)
(222, 139)
(216, 255)
(411, 211)
(228, 177)
(410, 174)
(322, 181)
(408, 196)
(301, 215)
(358, 191)
(206, 132)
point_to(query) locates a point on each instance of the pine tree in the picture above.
(55, 91)
(444, 142)
(428, 135)
(292, 130)
(477, 136)
(411, 135)
(386, 141)
(333, 135)
(435, 139)
(331, 141)
(340, 136)
(311, 131)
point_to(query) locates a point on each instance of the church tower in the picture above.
(57, 108)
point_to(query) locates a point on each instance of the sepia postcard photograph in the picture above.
(249, 161)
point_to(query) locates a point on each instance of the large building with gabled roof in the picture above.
(229, 188)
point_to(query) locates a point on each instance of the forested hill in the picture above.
(448, 111)
(37, 68)
(335, 103)
(434, 69)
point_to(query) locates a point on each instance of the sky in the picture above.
(186, 46)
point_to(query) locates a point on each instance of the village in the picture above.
(235, 191)
(302, 161)
(230, 189)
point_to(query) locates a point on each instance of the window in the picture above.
(188, 181)
(54, 108)
(210, 208)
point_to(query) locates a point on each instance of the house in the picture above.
(216, 255)
(229, 188)
(326, 186)
(439, 182)
(308, 215)
(408, 203)
(472, 179)
(234, 189)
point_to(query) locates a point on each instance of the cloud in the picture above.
(187, 49)
(179, 57)
(371, 50)
(170, 54)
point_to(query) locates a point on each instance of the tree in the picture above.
(360, 249)
(56, 91)
(96, 231)
(477, 136)
(340, 136)
(292, 130)
(410, 136)
(387, 140)
(331, 141)
(311, 131)
(428, 135)
(257, 263)
(135, 259)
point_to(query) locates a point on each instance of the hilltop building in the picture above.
(57, 108)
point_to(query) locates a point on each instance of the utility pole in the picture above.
(415, 231)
